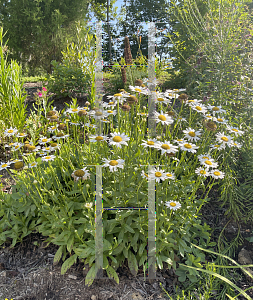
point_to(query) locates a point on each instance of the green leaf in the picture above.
(132, 263)
(142, 247)
(128, 228)
(68, 263)
(58, 255)
(119, 249)
(91, 275)
(112, 274)
(70, 243)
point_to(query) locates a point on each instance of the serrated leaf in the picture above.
(68, 263)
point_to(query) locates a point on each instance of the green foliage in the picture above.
(76, 72)
(12, 94)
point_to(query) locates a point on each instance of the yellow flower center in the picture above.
(190, 100)
(99, 138)
(16, 147)
(169, 175)
(33, 164)
(18, 165)
(224, 138)
(165, 146)
(205, 157)
(158, 174)
(208, 162)
(98, 113)
(44, 140)
(216, 108)
(10, 131)
(146, 174)
(111, 103)
(31, 148)
(150, 143)
(47, 157)
(117, 139)
(173, 204)
(74, 109)
(216, 173)
(160, 99)
(162, 118)
(110, 111)
(138, 90)
(117, 95)
(179, 140)
(4, 165)
(113, 163)
(220, 120)
(188, 146)
(60, 134)
(202, 172)
(191, 133)
(235, 144)
(198, 107)
(235, 130)
(47, 148)
(79, 173)
(216, 146)
(22, 134)
(209, 117)
(53, 144)
(11, 144)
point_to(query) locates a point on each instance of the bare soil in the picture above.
(27, 270)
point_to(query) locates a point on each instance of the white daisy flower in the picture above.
(43, 140)
(118, 139)
(171, 95)
(191, 134)
(59, 136)
(178, 141)
(208, 117)
(180, 119)
(105, 121)
(158, 175)
(113, 164)
(76, 123)
(216, 109)
(234, 144)
(162, 98)
(151, 143)
(98, 138)
(139, 89)
(72, 110)
(81, 174)
(33, 148)
(52, 129)
(55, 146)
(220, 120)
(163, 118)
(173, 205)
(110, 104)
(47, 149)
(17, 146)
(217, 174)
(142, 114)
(202, 172)
(42, 153)
(90, 125)
(88, 205)
(166, 147)
(223, 138)
(10, 132)
(220, 146)
(110, 112)
(21, 134)
(144, 175)
(204, 157)
(193, 102)
(170, 176)
(10, 145)
(209, 163)
(33, 164)
(188, 147)
(98, 114)
(235, 130)
(199, 108)
(48, 157)
(5, 165)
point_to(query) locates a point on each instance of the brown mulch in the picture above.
(27, 270)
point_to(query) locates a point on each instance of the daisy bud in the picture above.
(35, 181)
(138, 82)
(87, 185)
(51, 113)
(61, 127)
(125, 107)
(144, 107)
(132, 100)
(18, 165)
(183, 98)
(25, 167)
(210, 125)
(82, 113)
(87, 103)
